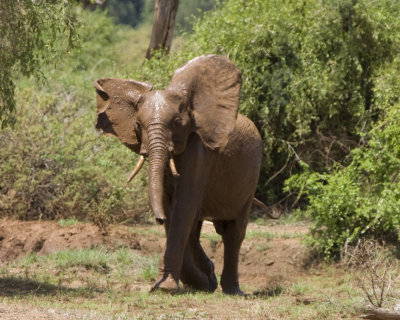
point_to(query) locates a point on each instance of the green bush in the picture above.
(360, 197)
(53, 163)
(360, 200)
(189, 10)
(320, 78)
(31, 34)
(127, 12)
(310, 72)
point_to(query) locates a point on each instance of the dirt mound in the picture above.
(267, 253)
(18, 238)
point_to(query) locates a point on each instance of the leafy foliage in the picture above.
(310, 74)
(137, 12)
(126, 12)
(189, 10)
(319, 79)
(31, 34)
(53, 162)
(360, 200)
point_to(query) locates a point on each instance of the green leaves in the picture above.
(53, 163)
(309, 74)
(31, 34)
(316, 76)
(360, 200)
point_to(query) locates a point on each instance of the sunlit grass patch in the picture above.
(89, 266)
(256, 234)
(299, 288)
(67, 222)
(213, 239)
(334, 299)
(288, 219)
(262, 247)
(291, 235)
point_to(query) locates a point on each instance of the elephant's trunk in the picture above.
(158, 156)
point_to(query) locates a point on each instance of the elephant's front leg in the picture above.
(174, 257)
(192, 272)
(191, 275)
(184, 214)
(197, 270)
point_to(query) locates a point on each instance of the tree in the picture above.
(32, 33)
(163, 25)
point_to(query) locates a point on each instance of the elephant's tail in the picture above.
(267, 211)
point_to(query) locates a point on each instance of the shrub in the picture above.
(361, 200)
(310, 72)
(31, 34)
(54, 164)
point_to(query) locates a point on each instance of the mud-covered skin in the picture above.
(217, 154)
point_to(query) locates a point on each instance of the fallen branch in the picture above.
(265, 209)
(381, 314)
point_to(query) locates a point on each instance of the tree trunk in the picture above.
(163, 25)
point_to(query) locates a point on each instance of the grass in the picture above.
(98, 283)
(98, 269)
(67, 222)
(212, 238)
(256, 234)
(288, 219)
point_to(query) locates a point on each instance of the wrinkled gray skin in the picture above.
(217, 153)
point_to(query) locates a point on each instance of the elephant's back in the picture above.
(234, 175)
(245, 135)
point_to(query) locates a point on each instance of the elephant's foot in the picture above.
(198, 277)
(199, 281)
(166, 284)
(231, 287)
(212, 279)
(213, 282)
(234, 291)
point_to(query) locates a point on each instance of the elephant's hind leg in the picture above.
(233, 233)
(232, 237)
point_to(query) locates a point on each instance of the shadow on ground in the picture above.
(17, 286)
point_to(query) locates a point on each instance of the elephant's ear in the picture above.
(116, 108)
(212, 84)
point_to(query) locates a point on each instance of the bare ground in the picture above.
(261, 259)
(269, 254)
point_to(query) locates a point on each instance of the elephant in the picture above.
(213, 154)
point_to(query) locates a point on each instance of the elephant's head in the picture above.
(203, 97)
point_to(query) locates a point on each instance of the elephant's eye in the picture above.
(138, 126)
(177, 122)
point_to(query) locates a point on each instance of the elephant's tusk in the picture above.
(173, 168)
(137, 168)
